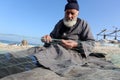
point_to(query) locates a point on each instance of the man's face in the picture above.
(70, 18)
(71, 14)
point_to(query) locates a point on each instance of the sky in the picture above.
(36, 18)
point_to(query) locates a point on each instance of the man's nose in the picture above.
(70, 16)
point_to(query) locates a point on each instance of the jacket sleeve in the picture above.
(85, 46)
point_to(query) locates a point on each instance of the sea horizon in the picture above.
(17, 39)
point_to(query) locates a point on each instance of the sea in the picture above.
(10, 42)
(14, 39)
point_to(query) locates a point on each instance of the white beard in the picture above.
(69, 23)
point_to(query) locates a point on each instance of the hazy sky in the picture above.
(38, 17)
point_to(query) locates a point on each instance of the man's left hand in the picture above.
(69, 44)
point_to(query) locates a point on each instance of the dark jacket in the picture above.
(80, 32)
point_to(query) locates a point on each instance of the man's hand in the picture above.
(69, 44)
(46, 39)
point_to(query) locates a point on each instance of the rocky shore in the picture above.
(13, 47)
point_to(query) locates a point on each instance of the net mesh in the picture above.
(10, 64)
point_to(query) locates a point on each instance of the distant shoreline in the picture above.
(7, 47)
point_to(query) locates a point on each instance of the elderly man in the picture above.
(70, 42)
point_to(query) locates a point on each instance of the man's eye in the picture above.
(70, 13)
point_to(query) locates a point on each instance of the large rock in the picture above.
(24, 43)
(35, 74)
(73, 73)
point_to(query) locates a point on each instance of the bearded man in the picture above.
(70, 43)
(75, 33)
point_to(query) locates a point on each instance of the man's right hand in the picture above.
(46, 39)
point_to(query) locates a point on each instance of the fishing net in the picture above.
(24, 60)
(11, 65)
